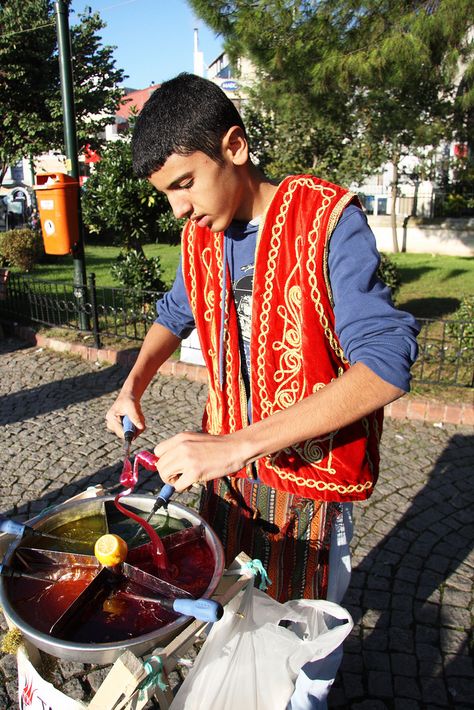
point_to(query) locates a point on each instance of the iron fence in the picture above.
(446, 347)
(114, 312)
(446, 353)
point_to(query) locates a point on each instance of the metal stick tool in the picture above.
(11, 527)
(165, 493)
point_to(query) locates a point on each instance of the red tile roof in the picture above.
(135, 98)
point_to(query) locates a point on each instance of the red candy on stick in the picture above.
(129, 479)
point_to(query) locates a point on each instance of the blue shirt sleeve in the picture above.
(370, 329)
(173, 309)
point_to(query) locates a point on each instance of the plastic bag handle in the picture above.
(327, 641)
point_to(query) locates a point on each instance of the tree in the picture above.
(30, 97)
(408, 77)
(310, 122)
(121, 208)
(361, 83)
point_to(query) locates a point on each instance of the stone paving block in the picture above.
(426, 613)
(455, 617)
(461, 690)
(73, 689)
(406, 704)
(412, 542)
(8, 665)
(376, 661)
(351, 662)
(433, 690)
(455, 665)
(375, 639)
(454, 641)
(70, 669)
(380, 684)
(353, 686)
(404, 664)
(406, 687)
(5, 700)
(401, 619)
(11, 689)
(430, 669)
(401, 602)
(376, 599)
(428, 652)
(96, 677)
(338, 698)
(375, 619)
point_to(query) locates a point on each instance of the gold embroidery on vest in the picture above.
(192, 266)
(333, 220)
(291, 360)
(275, 242)
(229, 383)
(318, 485)
(215, 252)
(313, 238)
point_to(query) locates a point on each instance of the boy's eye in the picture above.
(186, 184)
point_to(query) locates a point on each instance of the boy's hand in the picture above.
(192, 457)
(125, 405)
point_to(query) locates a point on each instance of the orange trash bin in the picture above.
(57, 197)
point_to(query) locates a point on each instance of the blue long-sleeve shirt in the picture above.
(370, 329)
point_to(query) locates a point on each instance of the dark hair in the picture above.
(184, 115)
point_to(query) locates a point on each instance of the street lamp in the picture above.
(70, 140)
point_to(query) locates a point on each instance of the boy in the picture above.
(302, 344)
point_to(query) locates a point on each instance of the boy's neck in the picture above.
(258, 191)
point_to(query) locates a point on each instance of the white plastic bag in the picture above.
(249, 661)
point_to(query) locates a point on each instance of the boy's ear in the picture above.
(235, 146)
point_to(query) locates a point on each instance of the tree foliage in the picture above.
(347, 85)
(30, 96)
(353, 83)
(122, 209)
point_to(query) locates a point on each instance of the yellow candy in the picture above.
(110, 550)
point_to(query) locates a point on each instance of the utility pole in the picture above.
(70, 140)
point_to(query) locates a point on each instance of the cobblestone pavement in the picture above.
(412, 582)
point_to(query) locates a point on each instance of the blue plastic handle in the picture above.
(129, 428)
(202, 609)
(11, 527)
(166, 493)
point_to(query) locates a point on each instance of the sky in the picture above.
(154, 39)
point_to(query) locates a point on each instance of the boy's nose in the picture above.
(181, 207)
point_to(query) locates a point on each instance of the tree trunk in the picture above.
(135, 244)
(3, 170)
(394, 191)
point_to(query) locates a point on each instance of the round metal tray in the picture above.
(105, 653)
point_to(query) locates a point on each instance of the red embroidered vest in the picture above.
(294, 350)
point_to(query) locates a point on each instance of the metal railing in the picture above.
(446, 353)
(446, 347)
(114, 312)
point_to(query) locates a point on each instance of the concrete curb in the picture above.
(415, 408)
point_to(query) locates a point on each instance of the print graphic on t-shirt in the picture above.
(243, 288)
(243, 302)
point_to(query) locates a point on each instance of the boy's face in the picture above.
(197, 187)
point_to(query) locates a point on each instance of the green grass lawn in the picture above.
(99, 260)
(432, 286)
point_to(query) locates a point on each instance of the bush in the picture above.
(21, 247)
(135, 271)
(457, 205)
(120, 208)
(461, 325)
(389, 274)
